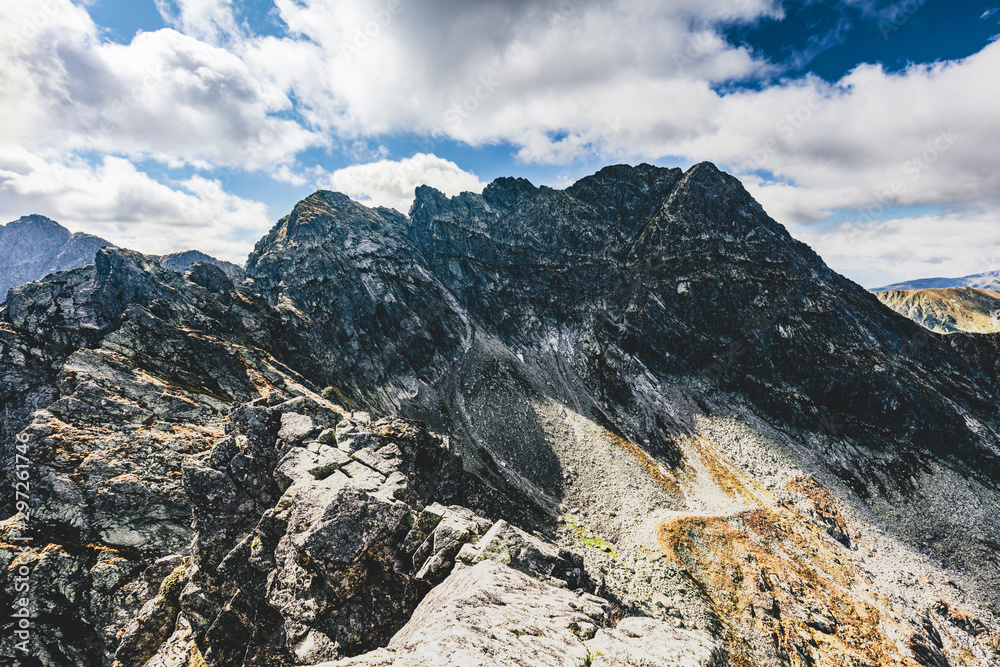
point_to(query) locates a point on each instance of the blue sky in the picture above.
(868, 128)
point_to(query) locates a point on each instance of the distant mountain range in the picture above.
(35, 246)
(989, 280)
(182, 261)
(948, 310)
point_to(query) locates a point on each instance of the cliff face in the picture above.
(640, 387)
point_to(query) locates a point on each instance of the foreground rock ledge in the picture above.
(490, 614)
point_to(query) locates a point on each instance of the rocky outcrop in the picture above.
(492, 614)
(35, 246)
(318, 532)
(113, 375)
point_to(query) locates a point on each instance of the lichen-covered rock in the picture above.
(307, 551)
(111, 375)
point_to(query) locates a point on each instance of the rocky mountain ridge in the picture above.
(948, 310)
(989, 281)
(632, 420)
(35, 246)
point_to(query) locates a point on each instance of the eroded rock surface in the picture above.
(113, 375)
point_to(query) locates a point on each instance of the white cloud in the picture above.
(364, 67)
(209, 20)
(881, 252)
(118, 202)
(164, 95)
(636, 81)
(392, 183)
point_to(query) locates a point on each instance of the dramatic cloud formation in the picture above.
(547, 83)
(120, 203)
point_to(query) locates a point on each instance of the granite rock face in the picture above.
(629, 422)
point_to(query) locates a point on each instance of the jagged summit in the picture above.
(534, 409)
(41, 220)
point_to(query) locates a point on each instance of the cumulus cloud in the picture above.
(165, 95)
(566, 80)
(66, 95)
(392, 183)
(498, 65)
(210, 20)
(881, 252)
(115, 200)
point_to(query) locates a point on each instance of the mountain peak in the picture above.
(35, 246)
(508, 192)
(36, 219)
(707, 169)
